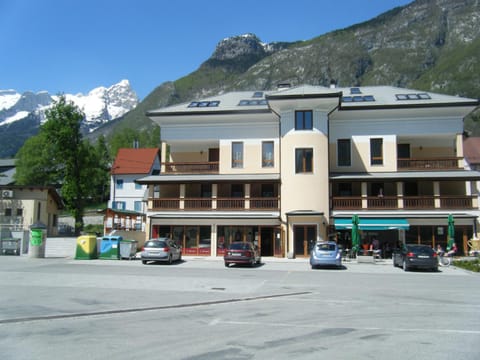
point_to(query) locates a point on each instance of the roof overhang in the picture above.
(156, 179)
(408, 175)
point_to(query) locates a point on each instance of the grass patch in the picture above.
(471, 265)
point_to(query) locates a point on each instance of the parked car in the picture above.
(161, 249)
(325, 253)
(240, 252)
(416, 256)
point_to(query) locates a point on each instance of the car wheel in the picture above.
(405, 267)
(180, 257)
(227, 265)
(170, 259)
(144, 262)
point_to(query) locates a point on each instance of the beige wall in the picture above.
(252, 157)
(31, 201)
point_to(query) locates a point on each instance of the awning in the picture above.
(372, 224)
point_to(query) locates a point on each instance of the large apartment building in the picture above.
(289, 167)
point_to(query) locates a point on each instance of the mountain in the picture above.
(429, 45)
(22, 114)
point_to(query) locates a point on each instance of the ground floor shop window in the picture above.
(194, 240)
(267, 238)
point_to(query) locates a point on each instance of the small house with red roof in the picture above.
(126, 207)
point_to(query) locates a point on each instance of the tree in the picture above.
(127, 137)
(59, 156)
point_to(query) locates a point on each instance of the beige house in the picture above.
(289, 167)
(22, 206)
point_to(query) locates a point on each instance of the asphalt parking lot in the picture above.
(62, 308)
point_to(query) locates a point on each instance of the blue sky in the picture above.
(65, 46)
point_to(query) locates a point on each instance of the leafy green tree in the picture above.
(33, 164)
(59, 156)
(128, 137)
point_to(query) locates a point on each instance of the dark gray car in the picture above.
(415, 256)
(161, 249)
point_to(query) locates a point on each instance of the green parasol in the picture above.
(451, 232)
(355, 234)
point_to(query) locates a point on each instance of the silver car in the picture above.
(325, 253)
(161, 249)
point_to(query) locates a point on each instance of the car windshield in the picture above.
(239, 246)
(155, 244)
(423, 250)
(326, 247)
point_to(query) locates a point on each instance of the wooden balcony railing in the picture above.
(231, 203)
(191, 167)
(450, 163)
(198, 204)
(266, 203)
(409, 202)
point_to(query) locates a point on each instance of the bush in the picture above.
(471, 265)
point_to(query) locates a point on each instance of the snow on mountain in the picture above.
(100, 105)
(8, 98)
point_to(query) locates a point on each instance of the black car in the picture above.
(240, 252)
(415, 256)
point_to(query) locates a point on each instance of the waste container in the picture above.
(110, 247)
(9, 244)
(86, 247)
(38, 237)
(128, 249)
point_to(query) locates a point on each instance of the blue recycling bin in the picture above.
(110, 247)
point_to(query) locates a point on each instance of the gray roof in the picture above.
(360, 97)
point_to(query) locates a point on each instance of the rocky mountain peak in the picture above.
(239, 46)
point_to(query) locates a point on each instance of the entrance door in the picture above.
(304, 238)
(266, 236)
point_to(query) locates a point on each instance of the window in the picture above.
(376, 151)
(20, 212)
(119, 205)
(137, 206)
(119, 184)
(237, 191)
(303, 161)
(8, 212)
(237, 155)
(138, 186)
(304, 120)
(267, 154)
(344, 151)
(214, 103)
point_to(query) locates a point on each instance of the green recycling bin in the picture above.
(38, 237)
(110, 247)
(86, 247)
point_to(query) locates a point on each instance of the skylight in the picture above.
(358, 98)
(258, 94)
(355, 90)
(413, 96)
(214, 103)
(252, 102)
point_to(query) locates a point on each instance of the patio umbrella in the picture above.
(451, 232)
(355, 234)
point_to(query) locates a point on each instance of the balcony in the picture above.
(403, 202)
(210, 167)
(212, 204)
(449, 163)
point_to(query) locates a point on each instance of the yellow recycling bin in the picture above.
(86, 247)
